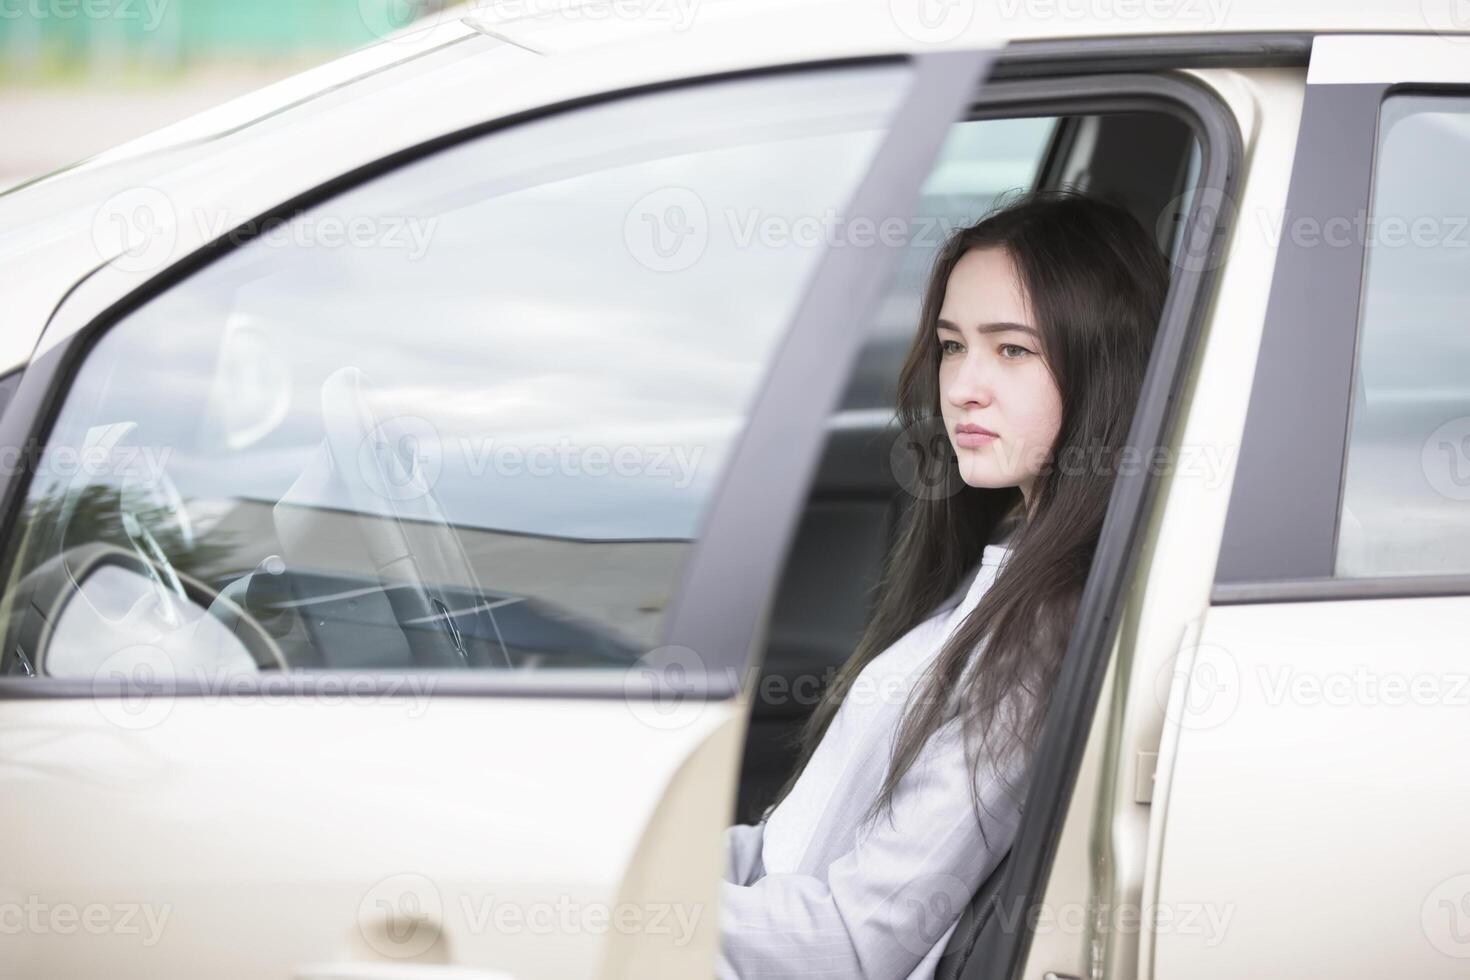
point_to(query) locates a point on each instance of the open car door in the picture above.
(380, 593)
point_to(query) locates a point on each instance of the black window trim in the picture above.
(1281, 519)
(1035, 58)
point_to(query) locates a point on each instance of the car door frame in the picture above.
(997, 949)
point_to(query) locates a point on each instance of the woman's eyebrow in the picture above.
(999, 327)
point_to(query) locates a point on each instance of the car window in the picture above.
(468, 413)
(1407, 477)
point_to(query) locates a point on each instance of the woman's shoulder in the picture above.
(992, 557)
(1007, 530)
(924, 637)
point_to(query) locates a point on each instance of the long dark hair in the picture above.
(1095, 285)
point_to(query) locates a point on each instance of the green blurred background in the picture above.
(79, 76)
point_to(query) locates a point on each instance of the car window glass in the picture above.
(1406, 483)
(469, 413)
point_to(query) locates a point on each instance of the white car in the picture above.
(438, 485)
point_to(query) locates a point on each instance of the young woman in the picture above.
(1034, 334)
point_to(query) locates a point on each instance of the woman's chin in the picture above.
(977, 474)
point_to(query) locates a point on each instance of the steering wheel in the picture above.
(136, 493)
(402, 525)
(103, 545)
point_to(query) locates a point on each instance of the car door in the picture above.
(381, 580)
(1310, 786)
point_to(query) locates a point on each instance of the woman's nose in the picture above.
(970, 382)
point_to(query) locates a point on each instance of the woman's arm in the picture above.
(886, 902)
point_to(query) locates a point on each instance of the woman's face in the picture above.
(992, 375)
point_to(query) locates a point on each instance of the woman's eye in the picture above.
(946, 348)
(1005, 351)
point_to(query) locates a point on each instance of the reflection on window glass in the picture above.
(979, 161)
(1407, 480)
(470, 413)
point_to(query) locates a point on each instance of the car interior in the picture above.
(1143, 160)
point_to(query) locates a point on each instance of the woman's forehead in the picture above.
(983, 288)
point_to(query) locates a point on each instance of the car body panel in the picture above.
(380, 860)
(1314, 801)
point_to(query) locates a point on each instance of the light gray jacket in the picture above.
(811, 891)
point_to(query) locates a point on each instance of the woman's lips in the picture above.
(974, 440)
